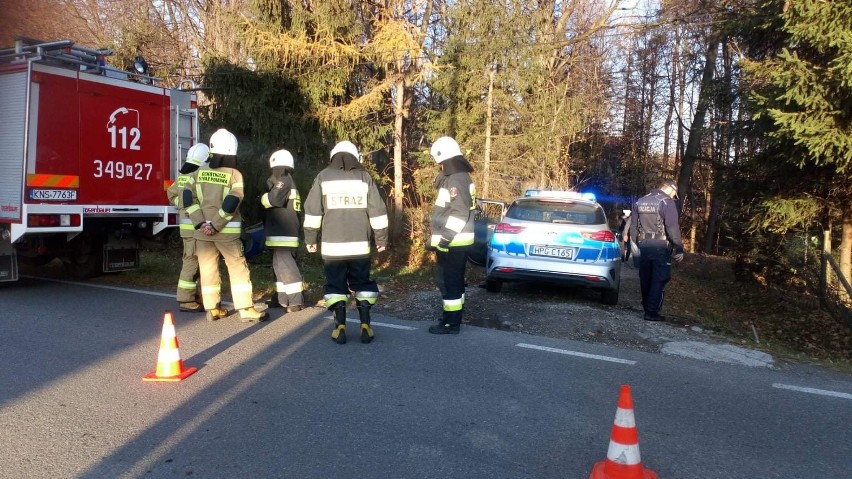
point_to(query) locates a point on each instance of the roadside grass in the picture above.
(160, 267)
(785, 322)
(157, 270)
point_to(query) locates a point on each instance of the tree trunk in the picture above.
(723, 149)
(681, 87)
(489, 106)
(713, 214)
(693, 232)
(651, 82)
(693, 146)
(667, 126)
(846, 248)
(398, 195)
(626, 95)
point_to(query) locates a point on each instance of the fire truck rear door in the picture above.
(13, 106)
(124, 153)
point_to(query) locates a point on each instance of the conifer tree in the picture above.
(356, 62)
(804, 93)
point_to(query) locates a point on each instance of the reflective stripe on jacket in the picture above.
(347, 207)
(453, 214)
(187, 230)
(283, 205)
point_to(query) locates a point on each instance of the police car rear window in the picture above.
(557, 211)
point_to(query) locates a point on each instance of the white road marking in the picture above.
(114, 288)
(821, 392)
(576, 353)
(379, 323)
(171, 295)
(103, 286)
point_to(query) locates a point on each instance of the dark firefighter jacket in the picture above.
(345, 204)
(452, 217)
(283, 205)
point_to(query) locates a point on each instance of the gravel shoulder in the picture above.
(551, 311)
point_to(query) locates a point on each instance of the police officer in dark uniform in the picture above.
(655, 229)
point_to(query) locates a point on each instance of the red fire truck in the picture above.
(86, 154)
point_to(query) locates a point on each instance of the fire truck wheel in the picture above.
(85, 258)
(40, 260)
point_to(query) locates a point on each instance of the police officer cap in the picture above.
(671, 184)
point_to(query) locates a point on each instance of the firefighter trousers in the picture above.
(451, 267)
(238, 272)
(288, 279)
(187, 288)
(341, 276)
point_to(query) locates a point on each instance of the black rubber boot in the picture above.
(364, 314)
(338, 334)
(450, 323)
(273, 302)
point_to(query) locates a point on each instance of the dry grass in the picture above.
(787, 323)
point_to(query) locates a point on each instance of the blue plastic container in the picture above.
(253, 239)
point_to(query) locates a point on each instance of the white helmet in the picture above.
(281, 158)
(198, 154)
(346, 147)
(444, 148)
(223, 142)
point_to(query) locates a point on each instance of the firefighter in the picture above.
(283, 205)
(654, 227)
(214, 195)
(452, 229)
(187, 287)
(345, 204)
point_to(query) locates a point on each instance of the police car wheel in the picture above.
(493, 285)
(609, 297)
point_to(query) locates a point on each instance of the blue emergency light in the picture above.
(574, 195)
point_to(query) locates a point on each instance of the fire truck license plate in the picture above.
(53, 195)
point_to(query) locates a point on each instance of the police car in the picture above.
(555, 236)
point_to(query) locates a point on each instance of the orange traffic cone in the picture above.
(622, 457)
(169, 364)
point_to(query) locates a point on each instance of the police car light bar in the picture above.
(573, 195)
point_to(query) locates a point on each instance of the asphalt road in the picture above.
(281, 400)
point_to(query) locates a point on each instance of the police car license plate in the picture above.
(552, 251)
